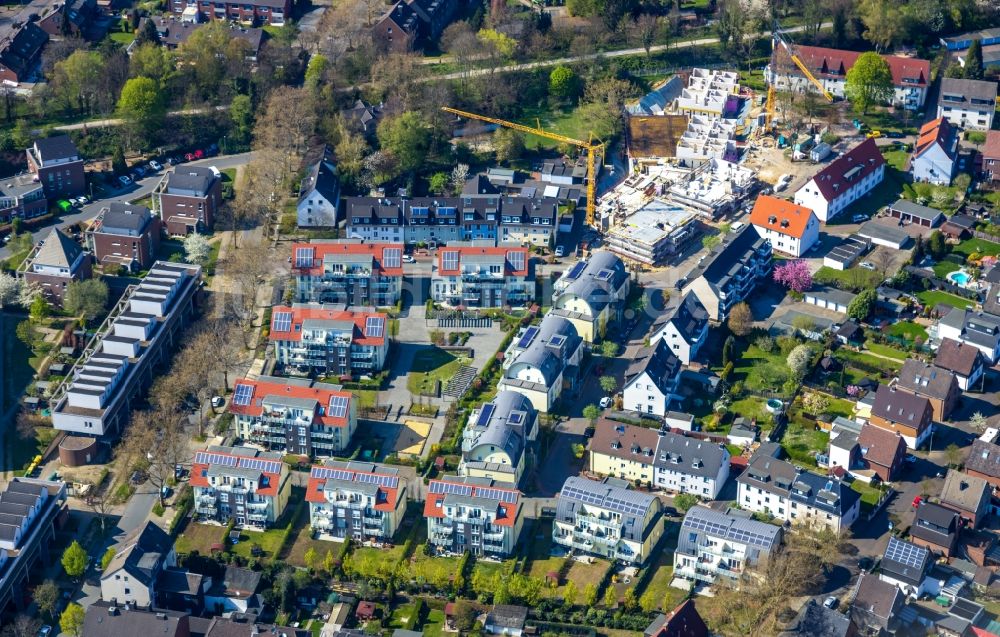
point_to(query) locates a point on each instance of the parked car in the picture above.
(218, 401)
(155, 166)
(199, 154)
(189, 157)
(137, 477)
(917, 500)
(859, 218)
(560, 251)
(124, 180)
(139, 170)
(895, 135)
(875, 134)
(605, 402)
(83, 200)
(831, 602)
(867, 265)
(409, 259)
(45, 631)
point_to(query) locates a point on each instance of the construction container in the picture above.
(820, 152)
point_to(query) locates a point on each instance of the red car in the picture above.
(199, 153)
(189, 157)
(917, 500)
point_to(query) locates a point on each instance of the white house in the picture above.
(968, 104)
(651, 380)
(319, 192)
(683, 326)
(792, 229)
(844, 181)
(935, 153)
(905, 565)
(537, 360)
(978, 329)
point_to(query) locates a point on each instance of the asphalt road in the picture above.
(135, 191)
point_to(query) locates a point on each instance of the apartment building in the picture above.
(976, 328)
(272, 12)
(935, 155)
(607, 519)
(730, 272)
(991, 159)
(708, 137)
(792, 229)
(905, 413)
(294, 415)
(967, 104)
(187, 199)
(683, 326)
(319, 191)
(791, 494)
(500, 440)
(315, 338)
(32, 511)
(477, 515)
(843, 181)
(659, 459)
(21, 196)
(356, 500)
(125, 234)
(55, 263)
(57, 164)
(651, 380)
(938, 386)
(348, 271)
(138, 336)
(141, 557)
(710, 92)
(542, 360)
(470, 275)
(653, 234)
(910, 76)
(714, 545)
(591, 295)
(243, 484)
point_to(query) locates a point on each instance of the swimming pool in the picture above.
(959, 277)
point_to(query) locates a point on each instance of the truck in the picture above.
(820, 152)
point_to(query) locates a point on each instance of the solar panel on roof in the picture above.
(450, 488)
(282, 321)
(529, 335)
(604, 275)
(389, 482)
(515, 418)
(449, 260)
(905, 553)
(485, 414)
(392, 257)
(577, 269)
(207, 457)
(516, 259)
(242, 395)
(500, 495)
(326, 473)
(303, 257)
(338, 406)
(374, 326)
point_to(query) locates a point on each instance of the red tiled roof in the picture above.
(781, 215)
(302, 313)
(835, 63)
(261, 389)
(320, 250)
(506, 513)
(200, 479)
(840, 175)
(464, 251)
(314, 492)
(937, 131)
(991, 149)
(882, 445)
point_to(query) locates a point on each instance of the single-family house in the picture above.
(683, 326)
(905, 566)
(963, 360)
(131, 575)
(937, 385)
(978, 329)
(905, 413)
(319, 191)
(966, 495)
(651, 380)
(683, 621)
(935, 527)
(935, 155)
(876, 606)
(506, 619)
(54, 264)
(991, 158)
(967, 104)
(792, 229)
(882, 451)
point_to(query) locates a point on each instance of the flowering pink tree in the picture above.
(794, 275)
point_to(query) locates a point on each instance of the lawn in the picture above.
(896, 158)
(122, 38)
(228, 175)
(802, 440)
(840, 407)
(981, 246)
(751, 407)
(885, 350)
(431, 365)
(869, 494)
(907, 330)
(199, 537)
(19, 362)
(366, 397)
(269, 542)
(850, 279)
(761, 371)
(889, 366)
(945, 267)
(933, 298)
(658, 585)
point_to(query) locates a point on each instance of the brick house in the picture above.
(72, 17)
(56, 263)
(23, 197)
(127, 234)
(273, 12)
(58, 166)
(21, 52)
(410, 23)
(936, 528)
(966, 495)
(882, 451)
(187, 199)
(991, 158)
(902, 412)
(937, 385)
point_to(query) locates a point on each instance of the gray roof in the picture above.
(905, 561)
(543, 352)
(320, 176)
(507, 615)
(687, 314)
(786, 480)
(593, 285)
(965, 492)
(659, 99)
(675, 452)
(56, 148)
(876, 601)
(827, 293)
(916, 210)
(578, 494)
(900, 406)
(935, 523)
(925, 379)
(965, 91)
(701, 522)
(849, 249)
(141, 553)
(104, 619)
(978, 328)
(877, 230)
(190, 180)
(175, 580)
(816, 620)
(509, 420)
(58, 250)
(126, 219)
(984, 458)
(659, 362)
(725, 259)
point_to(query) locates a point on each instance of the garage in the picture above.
(829, 298)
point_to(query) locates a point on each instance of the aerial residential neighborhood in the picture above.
(539, 318)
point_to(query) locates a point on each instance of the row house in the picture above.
(272, 12)
(968, 104)
(125, 234)
(55, 263)
(477, 515)
(792, 229)
(591, 295)
(33, 511)
(910, 76)
(963, 360)
(683, 326)
(714, 546)
(843, 181)
(498, 220)
(607, 519)
(58, 166)
(542, 361)
(651, 381)
(21, 196)
(659, 459)
(187, 199)
(907, 414)
(731, 272)
(938, 386)
(991, 159)
(320, 339)
(140, 334)
(356, 500)
(296, 416)
(21, 53)
(500, 440)
(791, 494)
(348, 271)
(242, 484)
(978, 329)
(469, 275)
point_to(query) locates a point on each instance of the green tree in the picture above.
(310, 558)
(23, 134)
(862, 305)
(148, 33)
(869, 82)
(107, 557)
(563, 83)
(629, 601)
(407, 137)
(141, 106)
(465, 616)
(608, 383)
(153, 61)
(439, 183)
(740, 319)
(508, 144)
(609, 349)
(74, 559)
(502, 43)
(76, 80)
(39, 309)
(648, 602)
(71, 621)
(315, 69)
(936, 245)
(953, 454)
(590, 595)
(241, 114)
(727, 350)
(592, 413)
(974, 61)
(883, 22)
(329, 562)
(610, 597)
(118, 163)
(86, 298)
(46, 595)
(26, 333)
(684, 501)
(569, 594)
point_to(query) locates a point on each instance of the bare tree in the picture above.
(22, 626)
(229, 349)
(100, 500)
(884, 262)
(647, 28)
(247, 269)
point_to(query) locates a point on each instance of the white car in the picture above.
(559, 251)
(867, 265)
(155, 166)
(218, 401)
(605, 402)
(125, 180)
(408, 259)
(783, 182)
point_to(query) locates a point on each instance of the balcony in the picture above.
(209, 511)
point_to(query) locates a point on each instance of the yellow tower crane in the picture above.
(590, 147)
(779, 40)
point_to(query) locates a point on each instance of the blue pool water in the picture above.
(960, 278)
